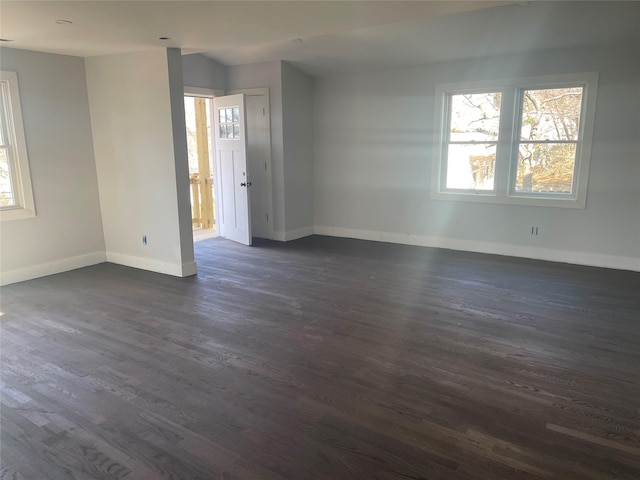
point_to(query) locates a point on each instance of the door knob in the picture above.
(245, 184)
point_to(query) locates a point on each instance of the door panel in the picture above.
(227, 195)
(231, 165)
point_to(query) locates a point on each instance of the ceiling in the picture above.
(320, 37)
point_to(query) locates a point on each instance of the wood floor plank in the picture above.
(323, 358)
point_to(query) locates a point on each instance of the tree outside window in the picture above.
(548, 139)
(520, 141)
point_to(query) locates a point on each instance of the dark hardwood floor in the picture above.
(324, 358)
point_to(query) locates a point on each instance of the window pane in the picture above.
(475, 117)
(6, 191)
(222, 117)
(236, 131)
(546, 167)
(229, 115)
(236, 114)
(471, 167)
(551, 114)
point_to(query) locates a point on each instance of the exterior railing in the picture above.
(202, 211)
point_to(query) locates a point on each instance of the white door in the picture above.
(234, 219)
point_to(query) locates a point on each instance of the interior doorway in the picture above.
(201, 166)
(199, 113)
(259, 160)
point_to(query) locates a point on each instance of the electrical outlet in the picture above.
(144, 239)
(534, 231)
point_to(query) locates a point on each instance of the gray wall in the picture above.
(297, 120)
(67, 230)
(372, 173)
(180, 156)
(291, 107)
(202, 72)
(267, 75)
(370, 166)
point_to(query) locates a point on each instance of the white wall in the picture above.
(373, 134)
(67, 231)
(202, 72)
(297, 120)
(137, 135)
(267, 75)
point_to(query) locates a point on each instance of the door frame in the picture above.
(263, 92)
(209, 93)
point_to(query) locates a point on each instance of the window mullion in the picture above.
(504, 154)
(445, 135)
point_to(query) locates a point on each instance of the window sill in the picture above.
(519, 199)
(17, 213)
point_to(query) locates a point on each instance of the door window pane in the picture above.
(229, 122)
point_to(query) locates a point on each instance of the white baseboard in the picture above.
(51, 268)
(175, 269)
(293, 234)
(549, 254)
(189, 269)
(299, 233)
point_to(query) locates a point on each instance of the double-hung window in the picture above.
(16, 194)
(522, 141)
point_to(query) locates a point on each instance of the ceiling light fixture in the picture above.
(164, 38)
(64, 22)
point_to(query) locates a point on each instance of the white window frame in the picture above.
(24, 206)
(504, 191)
